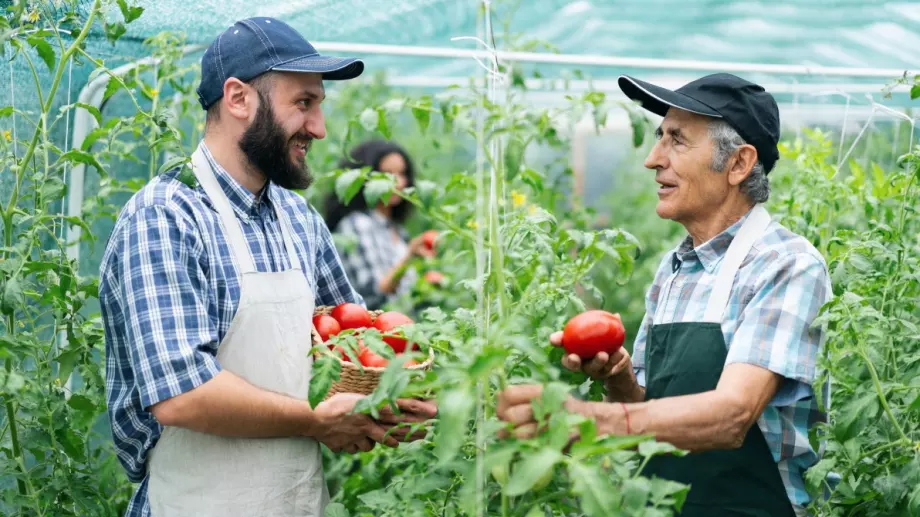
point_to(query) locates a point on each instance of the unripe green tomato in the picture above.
(543, 481)
(500, 473)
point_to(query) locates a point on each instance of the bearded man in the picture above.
(207, 293)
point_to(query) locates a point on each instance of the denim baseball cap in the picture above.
(253, 46)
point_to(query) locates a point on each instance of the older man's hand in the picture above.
(600, 367)
(515, 408)
(403, 426)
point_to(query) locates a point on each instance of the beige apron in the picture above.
(267, 344)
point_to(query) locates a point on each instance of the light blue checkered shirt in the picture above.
(169, 289)
(777, 293)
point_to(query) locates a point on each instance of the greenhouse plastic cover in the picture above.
(855, 33)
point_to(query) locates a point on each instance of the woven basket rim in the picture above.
(326, 309)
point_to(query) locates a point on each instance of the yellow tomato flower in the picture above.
(517, 199)
(472, 224)
(33, 16)
(8, 135)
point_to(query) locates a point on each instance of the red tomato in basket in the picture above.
(326, 326)
(371, 359)
(352, 316)
(388, 321)
(592, 332)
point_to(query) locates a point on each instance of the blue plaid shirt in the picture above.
(777, 293)
(169, 289)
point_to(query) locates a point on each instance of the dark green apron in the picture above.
(687, 358)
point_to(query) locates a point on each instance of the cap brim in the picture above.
(332, 68)
(658, 100)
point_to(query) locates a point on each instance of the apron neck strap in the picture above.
(237, 242)
(286, 231)
(753, 227)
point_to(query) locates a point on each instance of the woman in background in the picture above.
(378, 267)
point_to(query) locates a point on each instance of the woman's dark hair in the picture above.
(369, 154)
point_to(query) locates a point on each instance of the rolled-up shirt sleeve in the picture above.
(170, 328)
(775, 331)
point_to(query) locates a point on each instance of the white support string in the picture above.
(483, 267)
(898, 114)
(62, 335)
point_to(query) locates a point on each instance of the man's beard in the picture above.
(269, 150)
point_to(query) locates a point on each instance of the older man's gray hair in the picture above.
(725, 141)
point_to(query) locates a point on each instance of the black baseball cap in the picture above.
(253, 46)
(745, 106)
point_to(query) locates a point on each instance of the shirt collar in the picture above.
(244, 203)
(711, 252)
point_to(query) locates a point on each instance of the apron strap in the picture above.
(237, 242)
(286, 232)
(750, 231)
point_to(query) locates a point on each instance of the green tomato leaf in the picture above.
(531, 469)
(654, 448)
(422, 117)
(12, 296)
(913, 502)
(93, 110)
(114, 31)
(426, 191)
(636, 492)
(915, 91)
(348, 184)
(83, 157)
(336, 510)
(382, 124)
(45, 51)
(667, 493)
(53, 189)
(375, 189)
(454, 409)
(597, 497)
(326, 370)
(130, 13)
(369, 119)
(111, 88)
(81, 403)
(67, 360)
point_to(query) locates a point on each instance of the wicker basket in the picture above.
(352, 378)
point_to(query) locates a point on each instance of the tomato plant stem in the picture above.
(14, 432)
(58, 74)
(881, 394)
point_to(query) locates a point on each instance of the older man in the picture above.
(724, 361)
(207, 293)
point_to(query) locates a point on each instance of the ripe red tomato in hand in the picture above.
(429, 238)
(387, 322)
(326, 326)
(591, 332)
(352, 316)
(369, 358)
